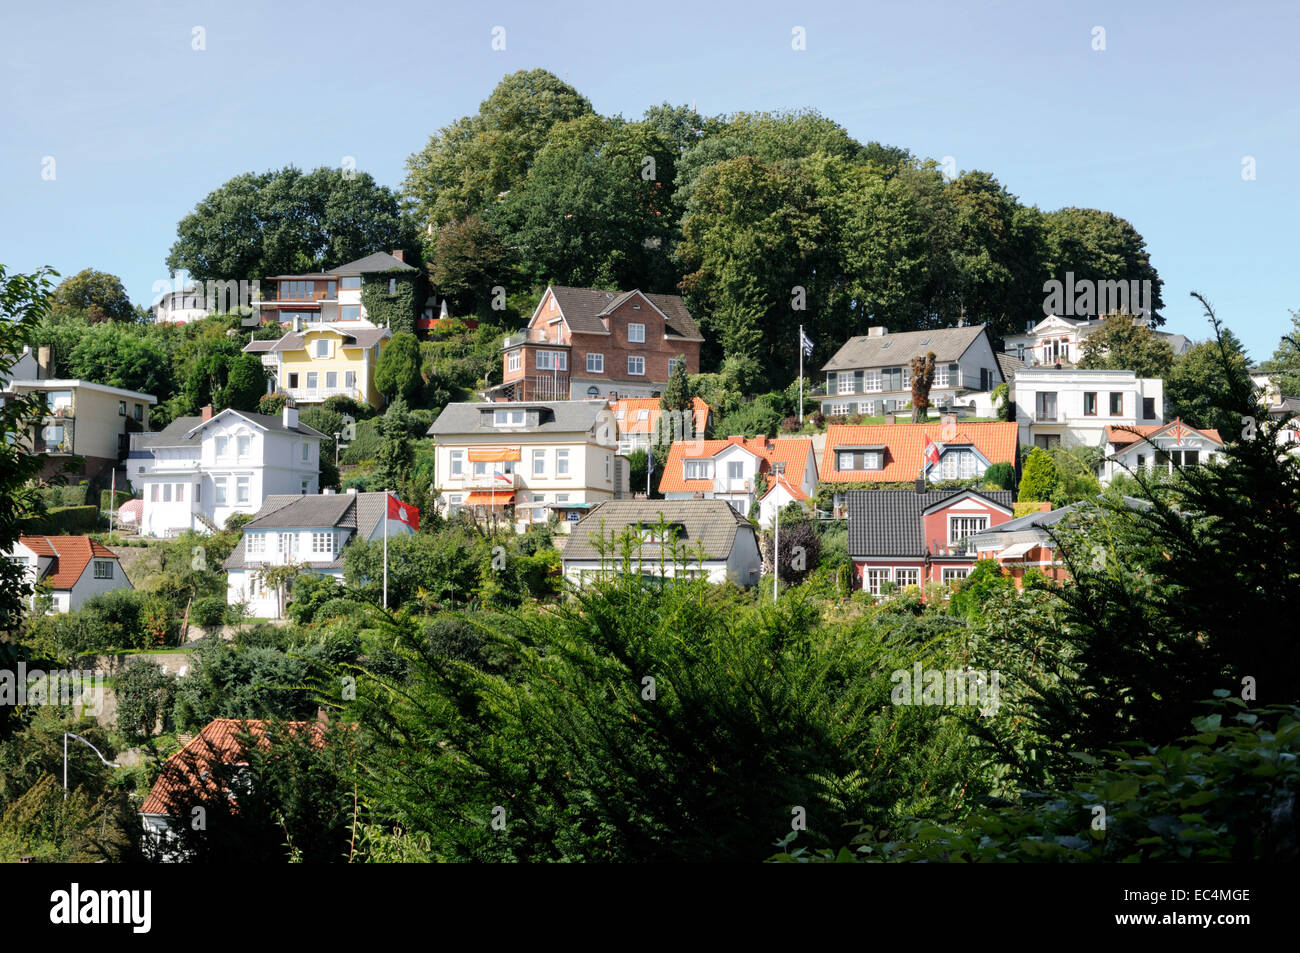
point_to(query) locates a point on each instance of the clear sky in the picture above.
(1154, 128)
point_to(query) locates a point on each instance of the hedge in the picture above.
(106, 504)
(71, 520)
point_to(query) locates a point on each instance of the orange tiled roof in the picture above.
(792, 451)
(72, 554)
(904, 444)
(793, 490)
(632, 405)
(188, 768)
(1123, 436)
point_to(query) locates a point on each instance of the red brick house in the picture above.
(582, 343)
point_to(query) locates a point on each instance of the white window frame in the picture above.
(508, 418)
(636, 366)
(243, 446)
(243, 489)
(322, 544)
(636, 333)
(949, 575)
(323, 348)
(539, 463)
(552, 360)
(844, 384)
(561, 463)
(874, 578)
(697, 470)
(905, 577)
(595, 363)
(220, 446)
(219, 485)
(960, 527)
(104, 569)
(456, 463)
(514, 360)
(255, 544)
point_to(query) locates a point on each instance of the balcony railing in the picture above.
(310, 394)
(1046, 417)
(487, 482)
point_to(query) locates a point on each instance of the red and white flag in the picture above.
(931, 450)
(403, 512)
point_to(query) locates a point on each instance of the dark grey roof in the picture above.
(181, 431)
(258, 346)
(360, 512)
(360, 337)
(371, 264)
(889, 523)
(1042, 520)
(890, 350)
(713, 523)
(583, 307)
(559, 416)
(1008, 364)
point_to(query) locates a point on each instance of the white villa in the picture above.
(1075, 407)
(1151, 449)
(1057, 340)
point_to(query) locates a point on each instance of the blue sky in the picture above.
(1154, 127)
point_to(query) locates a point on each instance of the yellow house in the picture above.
(323, 361)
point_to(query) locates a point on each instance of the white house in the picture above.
(701, 539)
(522, 461)
(72, 568)
(1056, 340)
(741, 471)
(309, 531)
(181, 307)
(1075, 407)
(198, 471)
(1151, 449)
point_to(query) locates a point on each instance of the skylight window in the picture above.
(887, 345)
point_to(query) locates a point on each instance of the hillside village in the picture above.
(306, 523)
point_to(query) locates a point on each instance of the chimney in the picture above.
(399, 255)
(352, 491)
(207, 412)
(1029, 327)
(297, 323)
(891, 418)
(739, 440)
(920, 483)
(877, 331)
(43, 362)
(328, 491)
(290, 415)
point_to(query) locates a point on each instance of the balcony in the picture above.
(54, 435)
(487, 481)
(308, 395)
(514, 340)
(543, 387)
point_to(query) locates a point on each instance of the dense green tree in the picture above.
(395, 451)
(1039, 479)
(397, 374)
(96, 294)
(1122, 344)
(121, 357)
(245, 383)
(1199, 386)
(1099, 246)
(287, 221)
(143, 692)
(1286, 359)
(678, 394)
(469, 260)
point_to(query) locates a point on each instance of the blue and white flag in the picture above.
(806, 342)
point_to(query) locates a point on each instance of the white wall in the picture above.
(87, 587)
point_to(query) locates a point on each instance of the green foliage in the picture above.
(1286, 359)
(1201, 385)
(245, 384)
(144, 694)
(1076, 473)
(760, 417)
(398, 372)
(975, 590)
(272, 404)
(69, 520)
(96, 294)
(396, 455)
(1120, 344)
(468, 260)
(678, 394)
(1040, 478)
(310, 592)
(396, 310)
(121, 356)
(1001, 476)
(209, 613)
(242, 682)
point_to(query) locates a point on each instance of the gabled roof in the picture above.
(583, 308)
(297, 340)
(1009, 364)
(996, 441)
(632, 406)
(781, 481)
(184, 431)
(890, 522)
(791, 451)
(189, 770)
(557, 416)
(361, 512)
(1124, 436)
(372, 264)
(713, 523)
(72, 554)
(890, 350)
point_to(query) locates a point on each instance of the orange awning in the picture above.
(493, 454)
(488, 498)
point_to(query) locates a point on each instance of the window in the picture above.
(1148, 408)
(595, 363)
(891, 378)
(289, 544)
(561, 463)
(539, 462)
(941, 375)
(1020, 352)
(243, 443)
(297, 290)
(256, 544)
(1045, 405)
(636, 366)
(698, 470)
(349, 312)
(845, 384)
(593, 392)
(1047, 440)
(153, 493)
(672, 364)
(552, 361)
(453, 504)
(514, 360)
(607, 467)
(1090, 404)
(139, 411)
(458, 463)
(180, 492)
(304, 486)
(1116, 404)
(121, 408)
(219, 485)
(322, 544)
(242, 488)
(350, 379)
(860, 460)
(167, 492)
(332, 379)
(906, 577)
(841, 410)
(959, 527)
(958, 464)
(220, 445)
(507, 418)
(350, 283)
(392, 286)
(313, 380)
(1186, 458)
(636, 333)
(198, 493)
(480, 468)
(103, 569)
(735, 471)
(293, 381)
(954, 575)
(322, 348)
(1142, 461)
(642, 415)
(306, 452)
(874, 579)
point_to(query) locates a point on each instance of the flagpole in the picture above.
(385, 549)
(801, 375)
(776, 546)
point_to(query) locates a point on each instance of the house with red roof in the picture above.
(72, 569)
(897, 453)
(741, 471)
(1163, 447)
(637, 420)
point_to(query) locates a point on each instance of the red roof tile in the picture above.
(630, 406)
(1123, 436)
(905, 443)
(791, 451)
(72, 555)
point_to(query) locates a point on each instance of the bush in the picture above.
(143, 692)
(272, 404)
(209, 612)
(112, 504)
(1001, 476)
(1040, 477)
(69, 520)
(310, 592)
(346, 406)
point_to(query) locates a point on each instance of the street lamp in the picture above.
(66, 736)
(336, 450)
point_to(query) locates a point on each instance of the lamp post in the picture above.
(66, 736)
(336, 450)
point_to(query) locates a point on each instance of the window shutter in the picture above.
(857, 382)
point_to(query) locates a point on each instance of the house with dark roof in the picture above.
(333, 296)
(1159, 448)
(663, 539)
(771, 472)
(306, 531)
(901, 538)
(70, 569)
(896, 453)
(586, 343)
(521, 461)
(315, 362)
(198, 471)
(872, 374)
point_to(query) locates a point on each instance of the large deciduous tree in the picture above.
(1122, 344)
(96, 294)
(922, 381)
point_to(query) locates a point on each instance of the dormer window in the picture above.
(699, 469)
(508, 418)
(642, 415)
